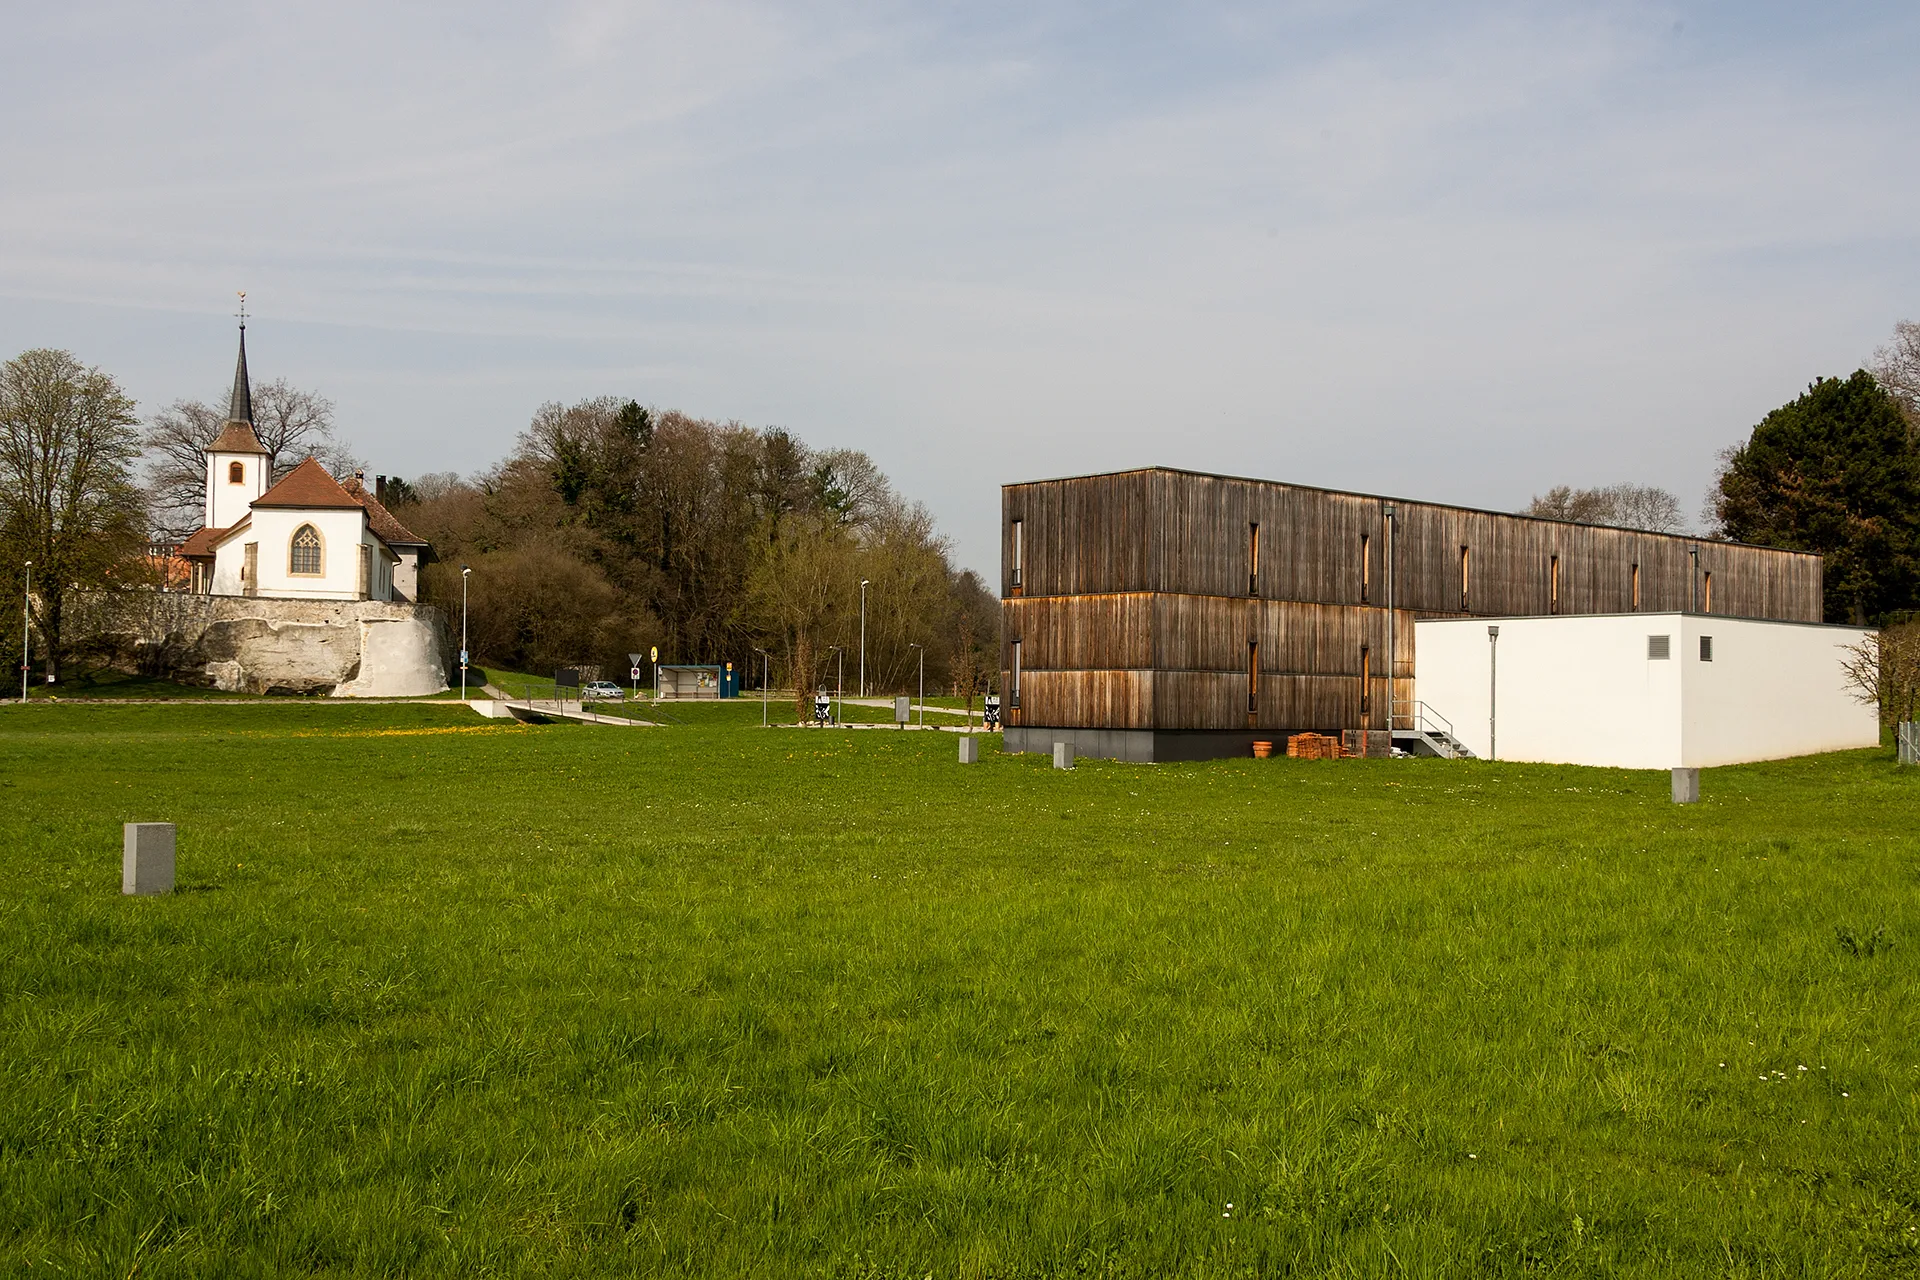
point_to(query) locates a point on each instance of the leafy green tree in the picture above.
(68, 502)
(1834, 472)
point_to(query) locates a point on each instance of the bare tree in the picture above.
(292, 425)
(1896, 366)
(1629, 506)
(68, 440)
(1884, 669)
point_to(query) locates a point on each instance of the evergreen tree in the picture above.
(1834, 472)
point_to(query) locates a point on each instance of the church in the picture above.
(306, 536)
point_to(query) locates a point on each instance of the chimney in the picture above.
(380, 490)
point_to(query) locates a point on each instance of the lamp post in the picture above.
(465, 573)
(763, 685)
(923, 682)
(863, 637)
(1493, 690)
(26, 603)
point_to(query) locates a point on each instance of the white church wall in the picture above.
(1583, 689)
(342, 532)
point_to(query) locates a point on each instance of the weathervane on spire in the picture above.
(243, 309)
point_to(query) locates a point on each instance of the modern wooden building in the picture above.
(1167, 615)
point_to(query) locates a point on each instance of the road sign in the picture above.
(634, 674)
(656, 653)
(633, 659)
(463, 657)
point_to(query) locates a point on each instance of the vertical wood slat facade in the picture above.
(1136, 596)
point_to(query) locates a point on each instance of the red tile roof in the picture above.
(236, 437)
(307, 485)
(200, 543)
(379, 518)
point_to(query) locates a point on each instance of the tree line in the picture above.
(613, 527)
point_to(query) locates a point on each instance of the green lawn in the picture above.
(447, 996)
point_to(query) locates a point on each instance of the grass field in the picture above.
(441, 995)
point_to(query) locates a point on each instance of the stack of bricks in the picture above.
(1314, 746)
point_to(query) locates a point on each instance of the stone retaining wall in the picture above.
(345, 648)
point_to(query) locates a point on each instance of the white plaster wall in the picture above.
(341, 532)
(1572, 690)
(1773, 689)
(1581, 690)
(227, 502)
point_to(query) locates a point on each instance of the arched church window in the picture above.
(236, 473)
(305, 557)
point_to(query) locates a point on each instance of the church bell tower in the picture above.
(236, 462)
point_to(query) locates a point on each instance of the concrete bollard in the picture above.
(1686, 786)
(1063, 755)
(146, 858)
(969, 749)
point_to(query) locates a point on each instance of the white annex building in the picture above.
(305, 537)
(1643, 690)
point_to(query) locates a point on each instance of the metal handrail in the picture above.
(1418, 718)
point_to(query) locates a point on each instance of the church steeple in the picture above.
(240, 408)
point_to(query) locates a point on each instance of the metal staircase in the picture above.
(1419, 730)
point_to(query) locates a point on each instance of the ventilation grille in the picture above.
(1659, 648)
(1706, 648)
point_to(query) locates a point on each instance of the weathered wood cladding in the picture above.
(1174, 531)
(1182, 662)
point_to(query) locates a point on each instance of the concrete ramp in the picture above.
(541, 711)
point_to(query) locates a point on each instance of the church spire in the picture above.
(241, 407)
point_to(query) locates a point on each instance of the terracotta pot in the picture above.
(1262, 750)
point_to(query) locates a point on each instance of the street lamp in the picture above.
(1493, 688)
(923, 682)
(863, 637)
(763, 685)
(465, 573)
(26, 603)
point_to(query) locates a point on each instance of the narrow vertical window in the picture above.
(1708, 601)
(1253, 559)
(1466, 570)
(236, 473)
(1636, 588)
(1253, 676)
(1366, 567)
(366, 572)
(1706, 648)
(1366, 680)
(1019, 556)
(1016, 673)
(1553, 585)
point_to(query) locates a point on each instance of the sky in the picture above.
(1457, 252)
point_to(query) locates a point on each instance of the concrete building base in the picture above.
(1145, 746)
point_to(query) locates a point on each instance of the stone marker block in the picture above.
(1686, 786)
(146, 858)
(1063, 755)
(969, 749)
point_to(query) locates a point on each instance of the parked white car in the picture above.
(604, 689)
